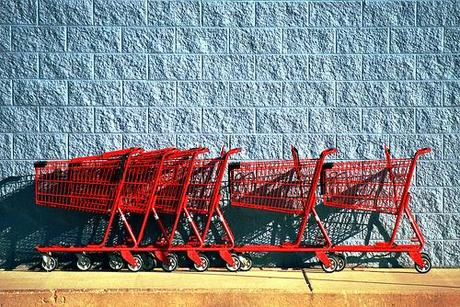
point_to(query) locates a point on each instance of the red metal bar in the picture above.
(311, 199)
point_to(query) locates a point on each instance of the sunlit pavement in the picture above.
(268, 287)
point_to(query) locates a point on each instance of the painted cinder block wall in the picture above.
(81, 76)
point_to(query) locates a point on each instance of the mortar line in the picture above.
(307, 281)
(12, 147)
(68, 146)
(37, 11)
(443, 39)
(255, 14)
(10, 38)
(120, 45)
(306, 80)
(200, 8)
(92, 12)
(11, 92)
(335, 40)
(146, 12)
(147, 70)
(353, 27)
(246, 54)
(67, 93)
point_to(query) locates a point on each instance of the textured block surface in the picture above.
(94, 93)
(281, 14)
(192, 40)
(78, 77)
(120, 12)
(174, 67)
(67, 119)
(173, 13)
(111, 120)
(388, 13)
(148, 40)
(120, 66)
(368, 40)
(98, 39)
(42, 39)
(44, 93)
(66, 66)
(66, 12)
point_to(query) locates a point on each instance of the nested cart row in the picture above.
(170, 188)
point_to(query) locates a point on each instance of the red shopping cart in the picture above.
(117, 182)
(378, 186)
(203, 199)
(188, 187)
(284, 186)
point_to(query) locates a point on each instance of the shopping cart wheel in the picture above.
(237, 264)
(341, 262)
(139, 263)
(204, 264)
(150, 262)
(116, 262)
(171, 263)
(246, 262)
(332, 267)
(426, 264)
(49, 263)
(83, 262)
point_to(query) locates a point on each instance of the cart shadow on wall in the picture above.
(23, 225)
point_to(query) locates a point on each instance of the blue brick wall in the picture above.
(81, 76)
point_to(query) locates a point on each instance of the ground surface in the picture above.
(366, 287)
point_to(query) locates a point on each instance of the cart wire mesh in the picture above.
(279, 186)
(82, 185)
(366, 185)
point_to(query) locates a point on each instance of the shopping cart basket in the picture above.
(284, 186)
(203, 199)
(377, 186)
(86, 184)
(117, 182)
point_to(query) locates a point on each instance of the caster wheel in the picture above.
(150, 262)
(116, 262)
(426, 264)
(204, 264)
(83, 262)
(170, 264)
(139, 263)
(341, 262)
(246, 262)
(332, 267)
(237, 264)
(49, 263)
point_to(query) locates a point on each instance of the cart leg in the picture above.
(417, 258)
(323, 258)
(161, 255)
(128, 257)
(194, 256)
(227, 257)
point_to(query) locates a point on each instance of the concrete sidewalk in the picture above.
(363, 287)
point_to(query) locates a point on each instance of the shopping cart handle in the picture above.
(423, 151)
(233, 151)
(328, 152)
(120, 152)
